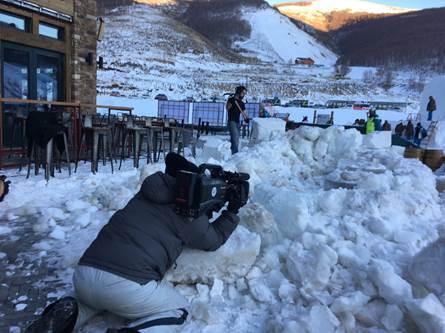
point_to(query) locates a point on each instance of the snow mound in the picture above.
(323, 244)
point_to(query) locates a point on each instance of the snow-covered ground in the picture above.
(324, 243)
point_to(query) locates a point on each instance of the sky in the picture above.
(400, 3)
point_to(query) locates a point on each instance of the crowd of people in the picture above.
(411, 133)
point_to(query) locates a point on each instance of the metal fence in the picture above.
(174, 109)
(209, 112)
(253, 110)
(213, 113)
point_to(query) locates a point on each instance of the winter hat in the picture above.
(175, 162)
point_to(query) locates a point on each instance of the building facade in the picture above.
(47, 53)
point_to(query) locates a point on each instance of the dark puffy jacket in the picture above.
(431, 105)
(144, 239)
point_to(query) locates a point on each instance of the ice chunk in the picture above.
(287, 206)
(428, 267)
(351, 302)
(257, 219)
(20, 307)
(321, 319)
(3, 255)
(57, 233)
(263, 129)
(378, 140)
(5, 230)
(230, 262)
(309, 133)
(428, 313)
(311, 268)
(393, 317)
(391, 286)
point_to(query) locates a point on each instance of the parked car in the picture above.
(273, 101)
(361, 106)
(161, 97)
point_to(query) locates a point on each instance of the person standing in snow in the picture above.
(418, 134)
(4, 187)
(236, 107)
(370, 124)
(123, 269)
(409, 131)
(431, 107)
(399, 129)
(386, 126)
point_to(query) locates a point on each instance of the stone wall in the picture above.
(84, 42)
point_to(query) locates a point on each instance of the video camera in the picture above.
(208, 190)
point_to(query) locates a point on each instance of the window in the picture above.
(14, 21)
(50, 31)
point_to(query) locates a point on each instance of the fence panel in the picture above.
(174, 109)
(210, 112)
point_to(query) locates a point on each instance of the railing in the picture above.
(15, 108)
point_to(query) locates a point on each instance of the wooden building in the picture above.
(47, 53)
(305, 61)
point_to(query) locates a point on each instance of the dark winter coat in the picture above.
(399, 129)
(144, 239)
(233, 112)
(431, 105)
(409, 132)
(387, 126)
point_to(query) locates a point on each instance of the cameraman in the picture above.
(122, 271)
(235, 107)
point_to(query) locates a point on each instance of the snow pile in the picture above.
(334, 257)
(284, 43)
(323, 244)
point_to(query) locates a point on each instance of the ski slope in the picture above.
(275, 38)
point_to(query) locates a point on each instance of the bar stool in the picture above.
(98, 132)
(134, 133)
(43, 129)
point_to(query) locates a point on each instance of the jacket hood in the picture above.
(159, 188)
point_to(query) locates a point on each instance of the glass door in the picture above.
(16, 78)
(27, 73)
(48, 77)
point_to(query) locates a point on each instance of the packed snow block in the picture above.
(311, 268)
(391, 286)
(321, 319)
(288, 207)
(351, 302)
(378, 140)
(264, 129)
(428, 267)
(230, 262)
(257, 219)
(215, 148)
(428, 314)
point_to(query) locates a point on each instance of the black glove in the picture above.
(237, 199)
(4, 187)
(234, 202)
(246, 120)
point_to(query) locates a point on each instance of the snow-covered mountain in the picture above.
(329, 15)
(275, 38)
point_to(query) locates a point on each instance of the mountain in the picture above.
(240, 29)
(328, 15)
(253, 29)
(415, 38)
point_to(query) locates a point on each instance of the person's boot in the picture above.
(58, 317)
